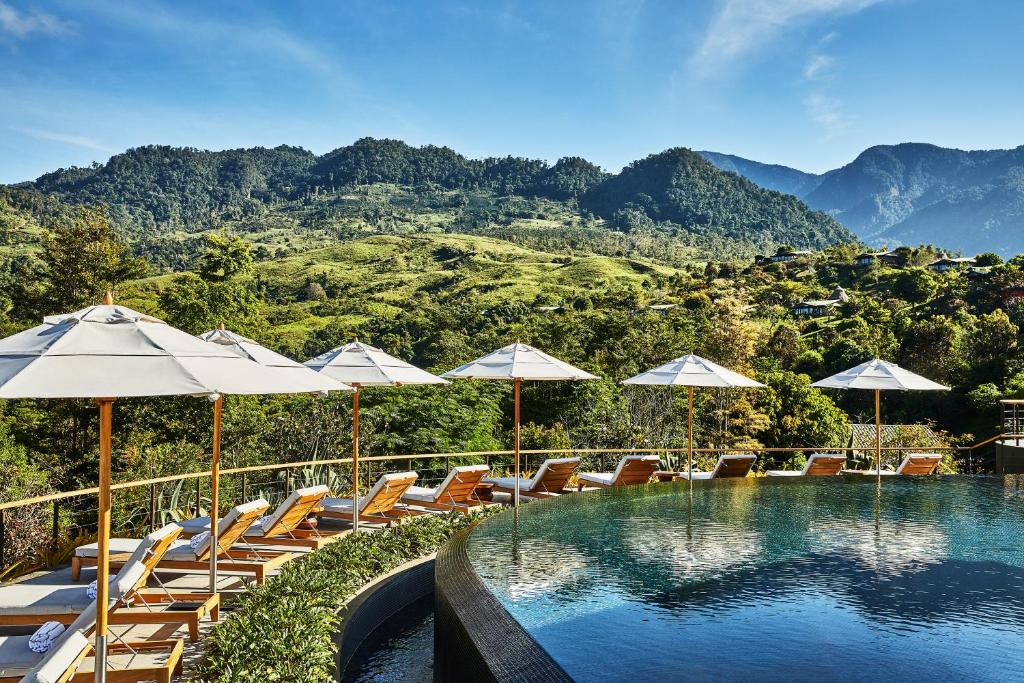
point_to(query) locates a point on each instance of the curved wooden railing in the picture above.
(69, 510)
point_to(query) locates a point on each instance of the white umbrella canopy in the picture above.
(517, 362)
(692, 371)
(878, 375)
(111, 351)
(107, 352)
(362, 365)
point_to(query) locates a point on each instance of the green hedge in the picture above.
(282, 631)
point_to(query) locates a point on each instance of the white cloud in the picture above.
(817, 65)
(827, 113)
(63, 138)
(24, 24)
(738, 27)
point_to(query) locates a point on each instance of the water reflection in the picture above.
(928, 567)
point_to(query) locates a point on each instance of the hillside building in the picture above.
(886, 258)
(947, 263)
(817, 308)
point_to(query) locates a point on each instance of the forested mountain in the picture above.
(155, 193)
(770, 176)
(679, 186)
(971, 201)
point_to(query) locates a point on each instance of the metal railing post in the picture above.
(245, 489)
(56, 524)
(199, 493)
(3, 538)
(152, 507)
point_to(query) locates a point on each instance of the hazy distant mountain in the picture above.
(770, 176)
(910, 193)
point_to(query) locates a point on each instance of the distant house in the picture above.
(947, 263)
(662, 308)
(978, 272)
(786, 256)
(816, 308)
(551, 309)
(888, 258)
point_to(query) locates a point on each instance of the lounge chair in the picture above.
(281, 527)
(632, 469)
(30, 603)
(550, 479)
(727, 467)
(68, 658)
(181, 555)
(818, 465)
(456, 492)
(919, 464)
(381, 504)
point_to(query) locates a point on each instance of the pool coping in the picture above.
(475, 637)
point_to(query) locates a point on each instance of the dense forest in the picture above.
(154, 191)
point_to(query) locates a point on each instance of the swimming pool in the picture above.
(755, 579)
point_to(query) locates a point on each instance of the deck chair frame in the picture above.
(551, 478)
(381, 506)
(818, 465)
(631, 469)
(458, 492)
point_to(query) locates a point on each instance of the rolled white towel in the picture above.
(44, 638)
(198, 540)
(93, 586)
(262, 521)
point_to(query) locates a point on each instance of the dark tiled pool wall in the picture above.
(475, 638)
(371, 609)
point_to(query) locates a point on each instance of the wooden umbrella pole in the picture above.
(106, 406)
(689, 448)
(515, 441)
(218, 406)
(355, 457)
(878, 435)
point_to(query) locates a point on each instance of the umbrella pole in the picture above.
(689, 447)
(218, 407)
(106, 406)
(515, 442)
(355, 457)
(878, 435)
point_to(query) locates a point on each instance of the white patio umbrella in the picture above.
(362, 365)
(108, 352)
(517, 362)
(878, 376)
(276, 363)
(692, 371)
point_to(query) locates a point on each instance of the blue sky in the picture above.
(807, 83)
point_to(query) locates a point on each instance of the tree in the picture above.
(83, 258)
(226, 256)
(798, 414)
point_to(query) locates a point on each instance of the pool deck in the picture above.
(228, 585)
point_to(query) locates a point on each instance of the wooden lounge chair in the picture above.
(456, 492)
(727, 467)
(632, 469)
(917, 464)
(550, 479)
(281, 527)
(818, 465)
(248, 560)
(381, 504)
(28, 604)
(68, 659)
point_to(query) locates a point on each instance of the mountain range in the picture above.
(912, 193)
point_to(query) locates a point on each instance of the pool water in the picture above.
(770, 580)
(401, 650)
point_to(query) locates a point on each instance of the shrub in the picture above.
(281, 631)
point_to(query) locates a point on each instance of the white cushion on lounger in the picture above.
(48, 667)
(606, 478)
(15, 657)
(696, 475)
(784, 473)
(528, 484)
(432, 495)
(345, 504)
